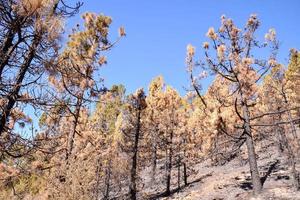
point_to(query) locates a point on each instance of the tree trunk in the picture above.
(72, 133)
(185, 177)
(256, 182)
(154, 156)
(97, 186)
(6, 45)
(133, 174)
(178, 172)
(154, 163)
(280, 141)
(169, 165)
(107, 180)
(13, 95)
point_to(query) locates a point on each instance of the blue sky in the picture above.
(159, 30)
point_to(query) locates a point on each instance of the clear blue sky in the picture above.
(159, 30)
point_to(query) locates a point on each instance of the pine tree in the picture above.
(230, 56)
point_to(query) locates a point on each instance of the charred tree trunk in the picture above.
(256, 182)
(154, 163)
(12, 97)
(8, 42)
(185, 177)
(6, 45)
(154, 155)
(72, 133)
(280, 141)
(107, 180)
(97, 186)
(178, 172)
(169, 165)
(133, 171)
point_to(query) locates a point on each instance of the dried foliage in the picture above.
(132, 146)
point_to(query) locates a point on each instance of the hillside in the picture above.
(232, 181)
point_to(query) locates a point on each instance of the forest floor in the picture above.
(232, 180)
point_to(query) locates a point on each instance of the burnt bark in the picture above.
(178, 172)
(72, 134)
(256, 182)
(133, 171)
(169, 152)
(154, 163)
(185, 176)
(8, 44)
(14, 93)
(107, 180)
